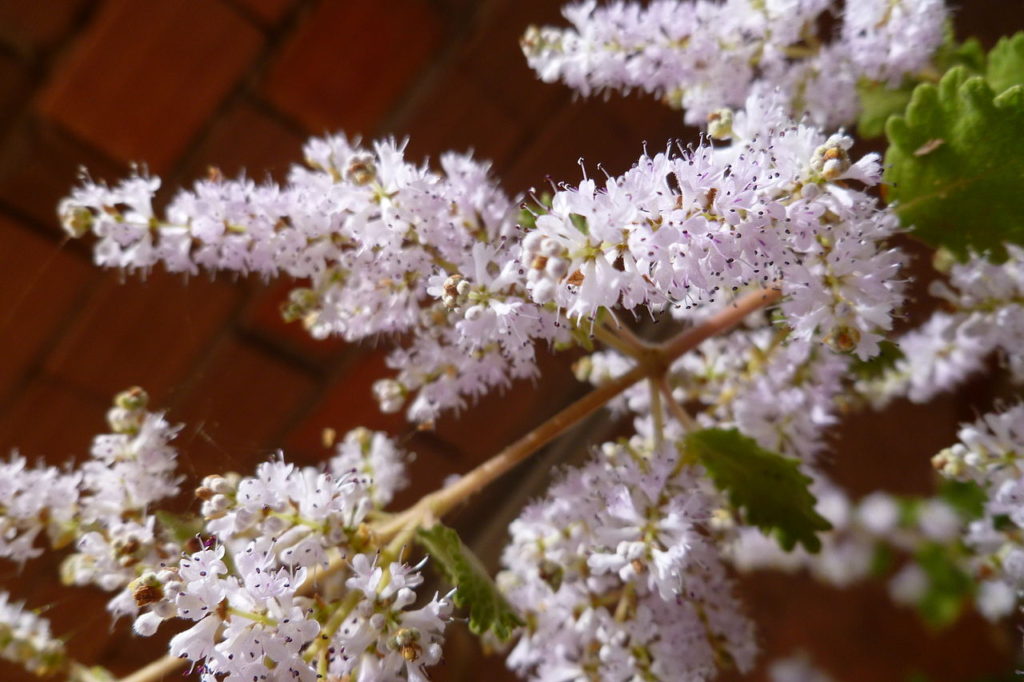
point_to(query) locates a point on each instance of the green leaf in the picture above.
(580, 222)
(955, 164)
(881, 560)
(969, 54)
(949, 586)
(768, 487)
(474, 589)
(889, 354)
(179, 527)
(1006, 64)
(966, 497)
(528, 213)
(878, 102)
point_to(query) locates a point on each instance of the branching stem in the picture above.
(653, 362)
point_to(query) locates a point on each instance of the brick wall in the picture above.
(183, 84)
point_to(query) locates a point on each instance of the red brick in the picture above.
(235, 406)
(348, 63)
(53, 420)
(246, 139)
(31, 25)
(142, 332)
(39, 165)
(262, 315)
(14, 87)
(43, 283)
(500, 418)
(458, 115)
(174, 62)
(491, 54)
(78, 614)
(268, 12)
(581, 130)
(347, 403)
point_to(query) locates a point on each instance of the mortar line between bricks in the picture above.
(246, 13)
(303, 406)
(204, 358)
(264, 107)
(40, 63)
(327, 378)
(431, 74)
(255, 338)
(238, 93)
(35, 371)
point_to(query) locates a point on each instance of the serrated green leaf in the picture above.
(955, 164)
(889, 354)
(474, 589)
(1006, 64)
(768, 487)
(878, 102)
(948, 589)
(969, 53)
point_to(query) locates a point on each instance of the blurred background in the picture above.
(182, 85)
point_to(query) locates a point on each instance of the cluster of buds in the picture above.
(548, 266)
(456, 292)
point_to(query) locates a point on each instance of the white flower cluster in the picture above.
(374, 456)
(306, 511)
(990, 453)
(35, 501)
(381, 638)
(103, 506)
(705, 56)
(25, 639)
(778, 208)
(617, 578)
(248, 625)
(984, 314)
(384, 243)
(263, 537)
(392, 248)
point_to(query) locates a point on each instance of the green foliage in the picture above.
(966, 497)
(878, 102)
(528, 214)
(580, 222)
(955, 163)
(889, 354)
(180, 528)
(1005, 67)
(768, 487)
(474, 589)
(949, 586)
(882, 559)
(969, 54)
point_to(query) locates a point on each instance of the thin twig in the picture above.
(156, 670)
(678, 411)
(656, 412)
